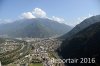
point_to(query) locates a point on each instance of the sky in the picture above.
(70, 12)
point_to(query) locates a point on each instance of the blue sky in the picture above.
(70, 10)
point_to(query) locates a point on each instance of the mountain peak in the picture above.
(36, 27)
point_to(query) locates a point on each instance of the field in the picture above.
(36, 64)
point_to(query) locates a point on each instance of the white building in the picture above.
(0, 63)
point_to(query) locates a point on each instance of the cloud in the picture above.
(60, 20)
(39, 13)
(73, 22)
(36, 13)
(27, 15)
(4, 21)
(80, 19)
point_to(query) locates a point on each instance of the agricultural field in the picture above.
(36, 64)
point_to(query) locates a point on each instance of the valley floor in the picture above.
(36, 52)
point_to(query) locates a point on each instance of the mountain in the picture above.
(84, 24)
(84, 44)
(37, 28)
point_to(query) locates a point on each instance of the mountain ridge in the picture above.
(30, 27)
(84, 24)
(85, 44)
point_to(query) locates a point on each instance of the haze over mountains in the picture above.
(36, 28)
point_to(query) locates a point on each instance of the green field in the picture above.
(12, 65)
(36, 64)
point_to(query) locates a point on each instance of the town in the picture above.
(29, 52)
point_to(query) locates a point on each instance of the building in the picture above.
(0, 63)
